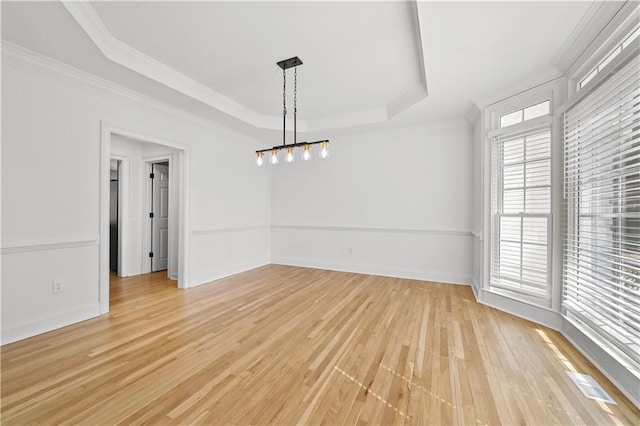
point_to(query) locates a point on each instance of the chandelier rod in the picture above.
(292, 145)
(284, 105)
(295, 104)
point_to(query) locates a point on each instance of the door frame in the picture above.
(123, 170)
(146, 196)
(183, 165)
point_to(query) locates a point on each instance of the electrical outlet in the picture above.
(57, 286)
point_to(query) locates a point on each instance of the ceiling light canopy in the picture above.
(289, 149)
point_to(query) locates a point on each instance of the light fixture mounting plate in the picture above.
(289, 63)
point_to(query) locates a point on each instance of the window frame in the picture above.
(604, 62)
(515, 103)
(522, 112)
(573, 211)
(520, 102)
(606, 43)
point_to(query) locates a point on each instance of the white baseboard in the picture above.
(538, 314)
(627, 383)
(13, 333)
(231, 270)
(474, 287)
(613, 370)
(434, 276)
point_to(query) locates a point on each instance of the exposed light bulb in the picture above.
(324, 150)
(306, 154)
(259, 160)
(274, 156)
(289, 158)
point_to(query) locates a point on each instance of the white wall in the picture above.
(50, 193)
(477, 150)
(395, 202)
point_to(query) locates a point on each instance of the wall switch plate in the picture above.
(57, 286)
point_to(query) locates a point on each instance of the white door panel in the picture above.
(160, 221)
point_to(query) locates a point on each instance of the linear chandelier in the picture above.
(290, 148)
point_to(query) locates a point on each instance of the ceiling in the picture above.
(365, 63)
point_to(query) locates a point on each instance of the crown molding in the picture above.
(35, 63)
(353, 119)
(474, 113)
(542, 80)
(421, 91)
(407, 100)
(390, 130)
(626, 18)
(597, 25)
(129, 57)
(581, 40)
(460, 123)
(418, 34)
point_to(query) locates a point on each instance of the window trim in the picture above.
(614, 33)
(616, 64)
(602, 64)
(538, 300)
(523, 128)
(520, 101)
(522, 112)
(572, 213)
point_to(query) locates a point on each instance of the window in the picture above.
(515, 117)
(521, 211)
(626, 41)
(601, 272)
(634, 35)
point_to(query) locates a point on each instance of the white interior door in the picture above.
(160, 217)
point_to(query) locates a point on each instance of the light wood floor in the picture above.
(289, 345)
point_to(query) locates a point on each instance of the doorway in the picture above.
(130, 259)
(159, 216)
(114, 220)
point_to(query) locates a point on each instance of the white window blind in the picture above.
(601, 271)
(521, 207)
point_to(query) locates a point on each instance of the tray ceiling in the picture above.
(364, 62)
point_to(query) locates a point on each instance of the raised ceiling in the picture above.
(348, 49)
(364, 62)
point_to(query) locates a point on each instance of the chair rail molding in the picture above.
(25, 246)
(451, 232)
(230, 229)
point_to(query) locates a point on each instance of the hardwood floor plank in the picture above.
(286, 345)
